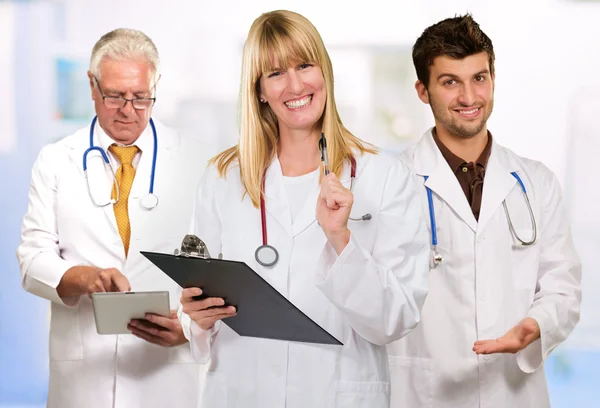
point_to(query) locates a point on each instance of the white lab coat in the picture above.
(62, 228)
(485, 285)
(367, 297)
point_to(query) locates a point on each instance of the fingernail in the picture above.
(149, 317)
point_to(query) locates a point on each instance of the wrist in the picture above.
(339, 239)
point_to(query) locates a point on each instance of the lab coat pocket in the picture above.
(354, 394)
(214, 391)
(411, 380)
(66, 343)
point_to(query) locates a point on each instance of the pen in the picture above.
(324, 157)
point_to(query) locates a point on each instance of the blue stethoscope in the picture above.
(150, 200)
(437, 257)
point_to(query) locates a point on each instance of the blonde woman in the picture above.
(349, 248)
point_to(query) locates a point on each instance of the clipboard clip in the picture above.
(194, 247)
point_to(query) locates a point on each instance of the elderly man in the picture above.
(98, 197)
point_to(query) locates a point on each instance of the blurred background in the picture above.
(547, 86)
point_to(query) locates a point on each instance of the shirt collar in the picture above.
(454, 161)
(145, 142)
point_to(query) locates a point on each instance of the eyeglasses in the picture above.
(113, 102)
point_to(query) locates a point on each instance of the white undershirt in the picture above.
(298, 189)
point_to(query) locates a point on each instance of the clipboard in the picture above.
(261, 310)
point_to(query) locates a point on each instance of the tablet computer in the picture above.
(114, 310)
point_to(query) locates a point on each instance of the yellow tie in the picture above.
(125, 174)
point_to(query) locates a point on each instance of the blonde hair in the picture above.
(287, 38)
(124, 44)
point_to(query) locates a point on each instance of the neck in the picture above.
(298, 152)
(468, 149)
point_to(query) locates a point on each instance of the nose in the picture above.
(128, 109)
(467, 95)
(295, 84)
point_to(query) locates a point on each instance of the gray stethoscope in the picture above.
(150, 200)
(437, 257)
(267, 255)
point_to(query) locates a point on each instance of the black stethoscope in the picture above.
(267, 255)
(150, 200)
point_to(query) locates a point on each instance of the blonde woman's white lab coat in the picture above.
(485, 285)
(63, 228)
(367, 297)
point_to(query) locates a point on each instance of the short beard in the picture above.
(459, 131)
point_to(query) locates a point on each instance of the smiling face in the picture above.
(296, 95)
(126, 79)
(461, 95)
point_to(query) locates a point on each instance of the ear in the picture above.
(422, 92)
(91, 77)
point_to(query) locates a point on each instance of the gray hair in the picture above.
(124, 44)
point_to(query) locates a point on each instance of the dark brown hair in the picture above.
(457, 37)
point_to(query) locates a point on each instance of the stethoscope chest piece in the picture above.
(266, 255)
(149, 201)
(436, 257)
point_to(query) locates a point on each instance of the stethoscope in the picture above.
(267, 255)
(437, 257)
(150, 200)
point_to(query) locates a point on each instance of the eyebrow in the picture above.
(444, 74)
(119, 93)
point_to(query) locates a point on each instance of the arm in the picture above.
(555, 309)
(44, 272)
(558, 293)
(381, 293)
(42, 268)
(206, 225)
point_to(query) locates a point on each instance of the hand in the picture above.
(106, 280)
(204, 312)
(161, 330)
(333, 210)
(515, 340)
(81, 280)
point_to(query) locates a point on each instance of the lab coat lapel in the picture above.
(99, 175)
(428, 161)
(139, 216)
(276, 202)
(497, 184)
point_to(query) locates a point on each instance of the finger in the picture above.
(120, 282)
(490, 347)
(148, 337)
(214, 314)
(188, 294)
(210, 322)
(170, 323)
(105, 280)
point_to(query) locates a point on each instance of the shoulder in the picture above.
(383, 163)
(540, 175)
(57, 153)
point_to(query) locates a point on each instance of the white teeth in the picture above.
(469, 112)
(300, 103)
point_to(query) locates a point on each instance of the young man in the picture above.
(505, 277)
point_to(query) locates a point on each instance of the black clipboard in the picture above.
(261, 310)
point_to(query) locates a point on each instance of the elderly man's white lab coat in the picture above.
(486, 283)
(367, 297)
(63, 228)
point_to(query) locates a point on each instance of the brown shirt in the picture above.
(470, 175)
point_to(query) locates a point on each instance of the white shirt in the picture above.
(297, 189)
